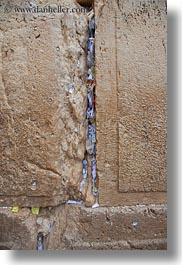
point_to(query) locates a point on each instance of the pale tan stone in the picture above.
(43, 129)
(79, 227)
(41, 54)
(112, 228)
(131, 75)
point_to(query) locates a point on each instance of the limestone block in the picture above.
(136, 227)
(131, 74)
(42, 124)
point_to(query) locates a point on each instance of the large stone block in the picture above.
(42, 124)
(136, 227)
(131, 74)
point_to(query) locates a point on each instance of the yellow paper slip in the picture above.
(35, 210)
(15, 209)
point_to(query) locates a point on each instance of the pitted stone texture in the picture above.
(131, 76)
(77, 227)
(18, 231)
(41, 54)
(142, 97)
(112, 228)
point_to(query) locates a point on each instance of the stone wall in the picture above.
(78, 227)
(43, 127)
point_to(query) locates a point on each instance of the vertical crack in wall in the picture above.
(91, 111)
(90, 156)
(89, 172)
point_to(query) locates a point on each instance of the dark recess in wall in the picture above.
(85, 3)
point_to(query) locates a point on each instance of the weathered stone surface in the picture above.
(43, 128)
(78, 227)
(42, 125)
(113, 227)
(131, 93)
(18, 230)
